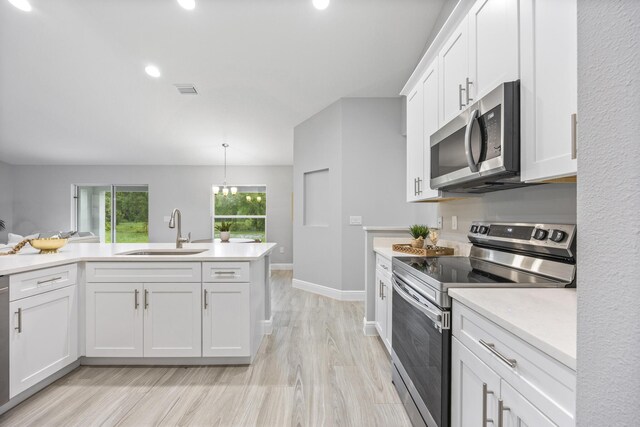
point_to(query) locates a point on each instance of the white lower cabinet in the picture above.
(384, 291)
(44, 336)
(226, 320)
(172, 320)
(498, 379)
(114, 320)
(150, 320)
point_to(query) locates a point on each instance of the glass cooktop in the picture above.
(458, 271)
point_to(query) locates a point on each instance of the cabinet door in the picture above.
(548, 88)
(114, 319)
(518, 411)
(44, 337)
(414, 143)
(172, 320)
(453, 63)
(381, 307)
(431, 121)
(226, 329)
(475, 388)
(493, 45)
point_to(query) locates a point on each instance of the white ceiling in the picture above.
(73, 88)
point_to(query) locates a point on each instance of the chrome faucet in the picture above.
(172, 224)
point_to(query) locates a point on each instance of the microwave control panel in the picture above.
(490, 126)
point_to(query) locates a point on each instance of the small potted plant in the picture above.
(419, 233)
(225, 230)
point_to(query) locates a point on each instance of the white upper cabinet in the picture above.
(454, 72)
(493, 46)
(431, 121)
(548, 89)
(415, 128)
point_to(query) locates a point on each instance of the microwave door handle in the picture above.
(467, 142)
(436, 317)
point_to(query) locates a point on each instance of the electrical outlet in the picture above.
(439, 223)
(281, 249)
(454, 222)
(355, 220)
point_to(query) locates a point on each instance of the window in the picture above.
(246, 210)
(127, 222)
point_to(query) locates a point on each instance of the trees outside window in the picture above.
(246, 210)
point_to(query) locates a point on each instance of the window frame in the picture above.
(213, 215)
(112, 220)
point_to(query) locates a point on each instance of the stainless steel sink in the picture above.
(166, 252)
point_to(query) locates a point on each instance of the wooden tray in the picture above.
(427, 251)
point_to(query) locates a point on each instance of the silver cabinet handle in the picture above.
(467, 84)
(206, 303)
(419, 185)
(415, 186)
(136, 303)
(19, 327)
(492, 348)
(382, 286)
(460, 89)
(467, 142)
(501, 410)
(40, 282)
(574, 136)
(224, 272)
(146, 299)
(485, 393)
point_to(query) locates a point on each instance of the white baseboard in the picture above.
(369, 328)
(281, 267)
(268, 326)
(328, 292)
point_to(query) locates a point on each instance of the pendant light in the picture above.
(225, 190)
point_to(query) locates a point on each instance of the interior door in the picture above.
(114, 319)
(44, 337)
(493, 45)
(475, 388)
(453, 63)
(172, 320)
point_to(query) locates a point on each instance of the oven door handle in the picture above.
(434, 316)
(467, 142)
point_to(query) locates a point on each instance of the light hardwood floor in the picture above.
(317, 368)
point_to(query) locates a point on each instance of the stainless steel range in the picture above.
(503, 255)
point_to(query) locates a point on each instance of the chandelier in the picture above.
(225, 190)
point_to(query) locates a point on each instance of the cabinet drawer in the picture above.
(545, 382)
(383, 263)
(31, 283)
(225, 272)
(147, 272)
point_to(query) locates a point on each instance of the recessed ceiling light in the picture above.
(21, 4)
(152, 70)
(321, 4)
(187, 4)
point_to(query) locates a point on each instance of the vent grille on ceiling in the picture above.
(186, 89)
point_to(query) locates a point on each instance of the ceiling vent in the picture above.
(187, 89)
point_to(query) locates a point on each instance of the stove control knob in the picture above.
(540, 234)
(483, 229)
(557, 235)
(474, 229)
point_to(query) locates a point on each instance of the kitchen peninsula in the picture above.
(140, 304)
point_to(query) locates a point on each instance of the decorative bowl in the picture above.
(49, 245)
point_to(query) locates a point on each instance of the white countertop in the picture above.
(29, 259)
(387, 252)
(545, 318)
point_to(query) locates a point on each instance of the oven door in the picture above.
(421, 345)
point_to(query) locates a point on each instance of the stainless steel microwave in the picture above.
(479, 150)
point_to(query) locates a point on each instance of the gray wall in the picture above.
(609, 213)
(6, 198)
(359, 140)
(42, 197)
(539, 203)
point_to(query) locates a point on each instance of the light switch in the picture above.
(439, 223)
(281, 249)
(454, 222)
(355, 220)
